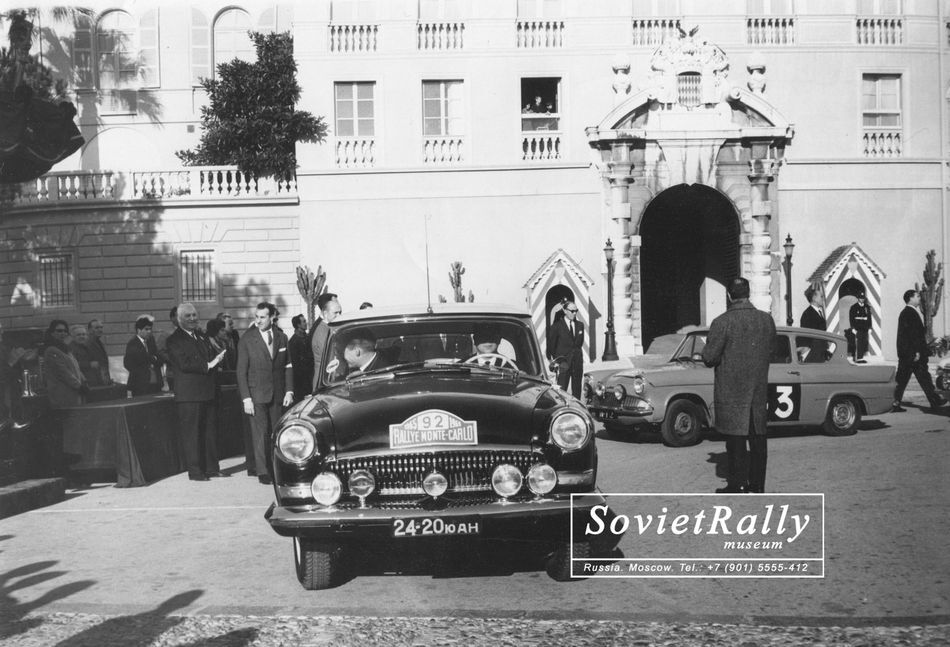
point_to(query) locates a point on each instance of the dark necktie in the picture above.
(270, 343)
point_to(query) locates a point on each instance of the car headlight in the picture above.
(600, 389)
(619, 392)
(541, 478)
(326, 488)
(435, 484)
(570, 431)
(638, 385)
(361, 483)
(506, 480)
(296, 443)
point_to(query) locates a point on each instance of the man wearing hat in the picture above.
(860, 315)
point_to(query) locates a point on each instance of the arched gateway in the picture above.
(689, 157)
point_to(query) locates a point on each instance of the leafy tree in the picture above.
(251, 121)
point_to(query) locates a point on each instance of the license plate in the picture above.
(605, 415)
(434, 527)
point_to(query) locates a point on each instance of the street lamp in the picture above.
(787, 265)
(610, 343)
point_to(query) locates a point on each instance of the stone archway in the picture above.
(689, 251)
(688, 124)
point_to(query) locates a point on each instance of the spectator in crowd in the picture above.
(860, 315)
(161, 340)
(265, 381)
(814, 315)
(65, 384)
(329, 310)
(9, 368)
(566, 345)
(229, 326)
(912, 353)
(142, 360)
(79, 347)
(191, 356)
(301, 356)
(220, 340)
(739, 345)
(97, 370)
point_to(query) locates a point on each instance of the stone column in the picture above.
(619, 178)
(760, 177)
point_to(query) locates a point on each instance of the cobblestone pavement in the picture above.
(157, 630)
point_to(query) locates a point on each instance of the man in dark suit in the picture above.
(142, 361)
(566, 344)
(860, 315)
(912, 353)
(329, 310)
(360, 352)
(301, 356)
(739, 345)
(265, 377)
(813, 316)
(193, 360)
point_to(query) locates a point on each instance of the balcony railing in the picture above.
(353, 38)
(536, 34)
(443, 150)
(193, 183)
(654, 31)
(541, 146)
(882, 143)
(355, 152)
(440, 36)
(770, 31)
(880, 31)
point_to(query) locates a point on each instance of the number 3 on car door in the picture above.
(784, 402)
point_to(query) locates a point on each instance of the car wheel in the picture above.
(559, 564)
(683, 424)
(318, 565)
(844, 415)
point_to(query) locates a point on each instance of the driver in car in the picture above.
(360, 353)
(486, 339)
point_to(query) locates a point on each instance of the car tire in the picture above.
(683, 424)
(843, 417)
(319, 565)
(559, 564)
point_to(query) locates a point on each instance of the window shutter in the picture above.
(200, 47)
(149, 72)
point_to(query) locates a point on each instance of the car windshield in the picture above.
(691, 346)
(377, 347)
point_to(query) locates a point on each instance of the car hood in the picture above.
(502, 408)
(667, 374)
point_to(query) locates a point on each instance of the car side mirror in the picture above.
(697, 357)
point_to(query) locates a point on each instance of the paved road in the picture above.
(203, 549)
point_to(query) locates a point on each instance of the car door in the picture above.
(822, 375)
(785, 383)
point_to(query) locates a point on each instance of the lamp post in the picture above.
(787, 265)
(610, 343)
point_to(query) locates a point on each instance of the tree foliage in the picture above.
(251, 121)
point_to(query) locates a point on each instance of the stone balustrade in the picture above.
(353, 38)
(650, 32)
(355, 152)
(875, 30)
(191, 183)
(537, 34)
(443, 150)
(882, 143)
(440, 36)
(770, 30)
(541, 146)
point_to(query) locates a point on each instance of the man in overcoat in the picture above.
(912, 353)
(265, 377)
(739, 346)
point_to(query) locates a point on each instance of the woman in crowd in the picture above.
(142, 360)
(65, 384)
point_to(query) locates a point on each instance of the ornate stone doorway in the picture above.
(689, 251)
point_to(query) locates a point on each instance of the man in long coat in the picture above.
(739, 345)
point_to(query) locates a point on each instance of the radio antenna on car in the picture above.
(425, 220)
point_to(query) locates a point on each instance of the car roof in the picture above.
(787, 330)
(418, 311)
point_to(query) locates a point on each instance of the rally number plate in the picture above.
(434, 527)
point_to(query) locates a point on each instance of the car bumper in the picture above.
(624, 416)
(534, 520)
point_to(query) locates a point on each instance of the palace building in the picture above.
(517, 137)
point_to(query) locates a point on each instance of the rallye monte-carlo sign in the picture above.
(433, 427)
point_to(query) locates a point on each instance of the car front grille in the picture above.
(466, 471)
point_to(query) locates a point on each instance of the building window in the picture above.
(198, 280)
(118, 56)
(56, 280)
(879, 22)
(355, 109)
(231, 39)
(881, 115)
(440, 10)
(539, 9)
(540, 104)
(879, 7)
(770, 22)
(116, 50)
(443, 121)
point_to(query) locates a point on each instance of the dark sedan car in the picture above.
(431, 427)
